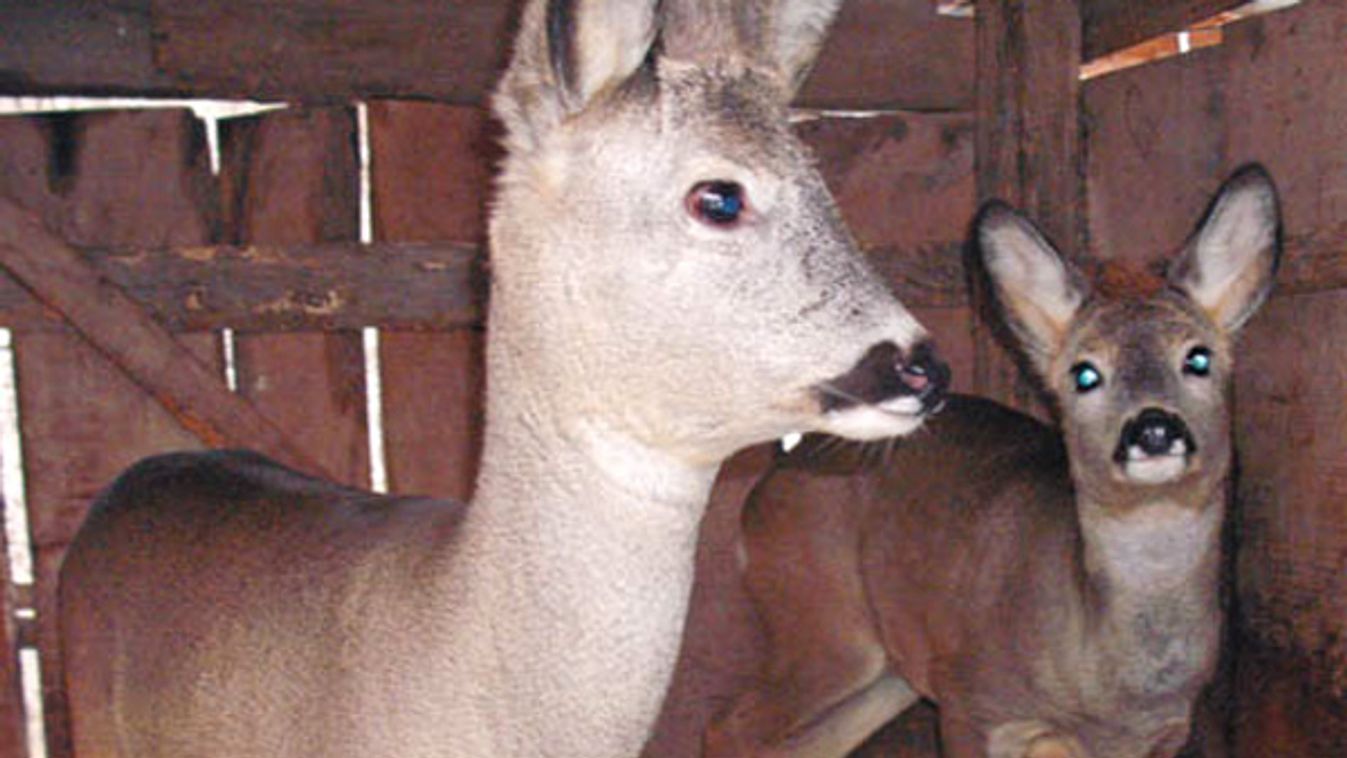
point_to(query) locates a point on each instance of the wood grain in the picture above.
(289, 177)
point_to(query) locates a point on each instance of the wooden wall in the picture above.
(268, 247)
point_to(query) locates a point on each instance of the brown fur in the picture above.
(1057, 599)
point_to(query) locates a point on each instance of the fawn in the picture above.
(1054, 591)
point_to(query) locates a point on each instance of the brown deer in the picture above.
(1054, 591)
(671, 282)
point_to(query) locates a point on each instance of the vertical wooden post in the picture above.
(431, 167)
(292, 176)
(1028, 141)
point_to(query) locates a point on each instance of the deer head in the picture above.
(656, 211)
(1139, 366)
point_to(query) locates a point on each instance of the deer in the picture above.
(671, 281)
(1054, 589)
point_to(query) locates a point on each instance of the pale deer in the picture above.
(1053, 590)
(671, 281)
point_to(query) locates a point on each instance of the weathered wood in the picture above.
(1287, 98)
(292, 176)
(1157, 152)
(432, 382)
(1110, 25)
(111, 321)
(885, 54)
(276, 288)
(1028, 148)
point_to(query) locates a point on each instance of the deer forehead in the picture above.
(1115, 330)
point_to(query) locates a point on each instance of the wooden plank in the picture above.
(1111, 25)
(432, 382)
(104, 179)
(1288, 104)
(1028, 150)
(57, 275)
(884, 54)
(292, 176)
(281, 288)
(1157, 151)
(893, 55)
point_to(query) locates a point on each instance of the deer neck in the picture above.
(578, 551)
(1151, 578)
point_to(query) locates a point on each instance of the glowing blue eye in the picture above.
(1198, 362)
(1086, 376)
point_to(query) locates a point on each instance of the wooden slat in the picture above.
(278, 288)
(885, 53)
(1157, 151)
(1028, 147)
(291, 177)
(432, 381)
(1110, 25)
(112, 322)
(1287, 101)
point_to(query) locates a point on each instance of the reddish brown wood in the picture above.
(112, 322)
(431, 177)
(1028, 147)
(291, 177)
(1157, 150)
(1288, 104)
(1109, 25)
(884, 54)
(281, 288)
(107, 179)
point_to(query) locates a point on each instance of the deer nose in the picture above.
(924, 375)
(1155, 432)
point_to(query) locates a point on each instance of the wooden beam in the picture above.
(1028, 143)
(884, 54)
(112, 322)
(326, 286)
(1111, 25)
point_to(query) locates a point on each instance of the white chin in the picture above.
(891, 418)
(1156, 470)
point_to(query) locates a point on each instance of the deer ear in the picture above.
(1228, 266)
(794, 34)
(1039, 291)
(568, 52)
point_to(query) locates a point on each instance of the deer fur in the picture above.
(218, 604)
(1054, 591)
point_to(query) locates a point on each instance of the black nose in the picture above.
(923, 374)
(1154, 432)
(884, 373)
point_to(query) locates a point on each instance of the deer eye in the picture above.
(1086, 377)
(717, 203)
(1198, 362)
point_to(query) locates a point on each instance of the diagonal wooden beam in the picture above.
(57, 276)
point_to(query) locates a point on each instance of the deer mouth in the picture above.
(1155, 447)
(886, 393)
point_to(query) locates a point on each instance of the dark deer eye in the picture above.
(717, 203)
(1086, 377)
(1198, 362)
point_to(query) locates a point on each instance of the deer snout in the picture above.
(885, 377)
(1154, 446)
